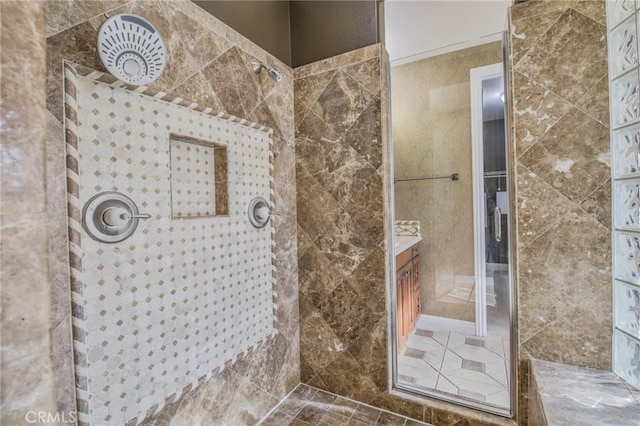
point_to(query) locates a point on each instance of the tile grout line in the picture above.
(278, 405)
(366, 405)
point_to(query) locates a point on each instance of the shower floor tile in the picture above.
(308, 406)
(467, 366)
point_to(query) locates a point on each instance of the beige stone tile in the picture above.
(366, 73)
(595, 103)
(573, 156)
(402, 406)
(341, 103)
(319, 343)
(539, 7)
(575, 250)
(344, 376)
(592, 9)
(540, 206)
(525, 32)
(536, 110)
(566, 340)
(25, 290)
(598, 204)
(581, 43)
(306, 92)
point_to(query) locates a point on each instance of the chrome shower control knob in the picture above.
(263, 213)
(111, 217)
(116, 216)
(259, 212)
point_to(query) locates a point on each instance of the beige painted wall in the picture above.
(432, 136)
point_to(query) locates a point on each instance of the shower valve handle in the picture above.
(142, 216)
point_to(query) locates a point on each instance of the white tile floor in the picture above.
(468, 366)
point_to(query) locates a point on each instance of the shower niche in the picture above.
(192, 289)
(199, 183)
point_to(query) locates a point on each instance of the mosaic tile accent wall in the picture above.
(560, 143)
(193, 177)
(623, 19)
(26, 383)
(148, 323)
(209, 64)
(409, 228)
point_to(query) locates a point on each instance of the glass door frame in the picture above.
(421, 395)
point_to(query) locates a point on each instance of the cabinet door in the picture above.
(411, 302)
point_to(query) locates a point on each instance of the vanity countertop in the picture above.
(404, 242)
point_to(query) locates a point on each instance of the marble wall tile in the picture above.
(27, 382)
(539, 7)
(345, 376)
(595, 103)
(307, 90)
(341, 268)
(63, 14)
(203, 52)
(536, 110)
(592, 346)
(540, 206)
(598, 204)
(562, 184)
(341, 102)
(581, 42)
(552, 265)
(527, 31)
(340, 203)
(571, 156)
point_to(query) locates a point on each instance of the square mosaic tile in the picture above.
(192, 178)
(160, 311)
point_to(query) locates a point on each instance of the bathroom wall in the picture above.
(342, 158)
(26, 383)
(431, 106)
(264, 22)
(560, 143)
(339, 169)
(208, 64)
(323, 29)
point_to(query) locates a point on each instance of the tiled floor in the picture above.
(308, 406)
(468, 366)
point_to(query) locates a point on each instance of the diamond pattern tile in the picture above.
(467, 366)
(180, 297)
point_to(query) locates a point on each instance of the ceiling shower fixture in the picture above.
(131, 49)
(274, 72)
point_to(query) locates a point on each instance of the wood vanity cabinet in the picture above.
(408, 293)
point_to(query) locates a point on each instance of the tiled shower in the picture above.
(191, 150)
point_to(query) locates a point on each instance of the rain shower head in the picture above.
(274, 72)
(131, 49)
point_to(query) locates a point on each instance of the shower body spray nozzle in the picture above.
(273, 72)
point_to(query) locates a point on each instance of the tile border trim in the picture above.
(71, 73)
